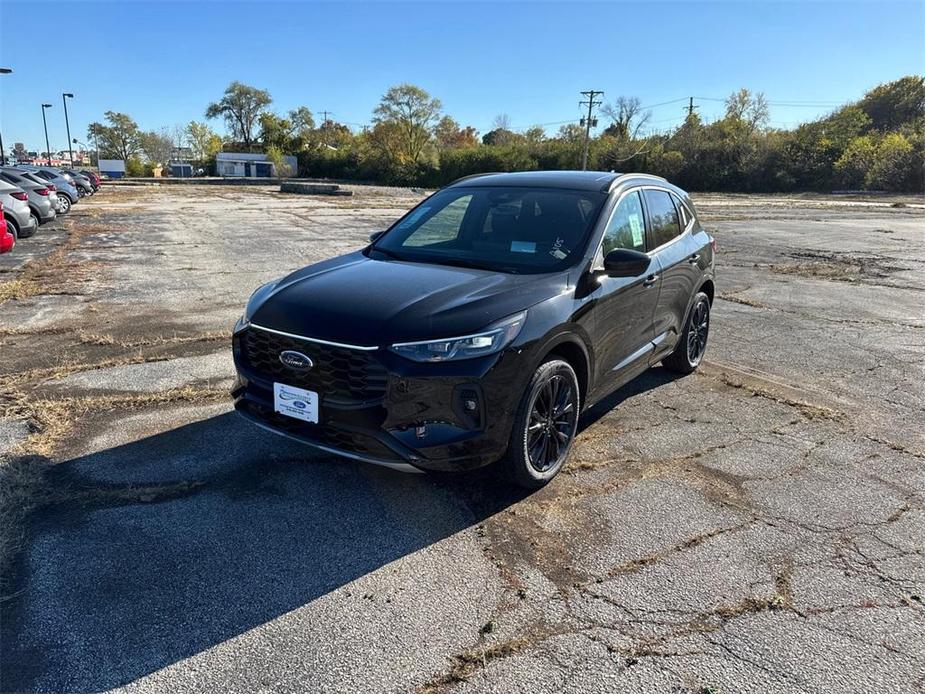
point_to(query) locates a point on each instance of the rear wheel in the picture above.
(65, 203)
(693, 343)
(35, 225)
(544, 426)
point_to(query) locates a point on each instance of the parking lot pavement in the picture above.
(756, 526)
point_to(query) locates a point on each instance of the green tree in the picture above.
(204, 142)
(405, 120)
(747, 109)
(290, 134)
(157, 146)
(332, 134)
(535, 134)
(282, 167)
(855, 162)
(893, 104)
(119, 139)
(895, 166)
(450, 136)
(240, 106)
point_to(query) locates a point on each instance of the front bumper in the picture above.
(379, 407)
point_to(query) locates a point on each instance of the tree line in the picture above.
(875, 143)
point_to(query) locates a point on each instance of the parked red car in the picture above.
(7, 240)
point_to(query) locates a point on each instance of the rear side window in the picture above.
(663, 216)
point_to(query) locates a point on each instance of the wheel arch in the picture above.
(11, 221)
(708, 288)
(570, 349)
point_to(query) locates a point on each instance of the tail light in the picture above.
(19, 195)
(52, 188)
(42, 191)
(713, 243)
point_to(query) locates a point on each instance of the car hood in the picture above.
(360, 301)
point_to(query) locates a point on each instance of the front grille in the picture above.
(338, 372)
(332, 436)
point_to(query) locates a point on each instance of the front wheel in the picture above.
(693, 343)
(544, 426)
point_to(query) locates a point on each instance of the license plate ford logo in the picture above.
(295, 360)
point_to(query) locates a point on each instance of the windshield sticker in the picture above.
(413, 217)
(523, 247)
(636, 228)
(556, 250)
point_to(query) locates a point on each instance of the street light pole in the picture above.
(3, 71)
(70, 152)
(45, 123)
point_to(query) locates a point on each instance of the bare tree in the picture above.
(627, 117)
(502, 122)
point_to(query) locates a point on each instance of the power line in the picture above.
(665, 103)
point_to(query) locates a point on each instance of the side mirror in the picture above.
(625, 262)
(375, 235)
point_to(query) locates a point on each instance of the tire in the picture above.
(65, 204)
(35, 226)
(13, 228)
(534, 458)
(693, 343)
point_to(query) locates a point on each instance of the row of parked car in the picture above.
(31, 196)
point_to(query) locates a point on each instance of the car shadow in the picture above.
(180, 541)
(650, 380)
(175, 543)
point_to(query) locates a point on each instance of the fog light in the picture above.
(470, 404)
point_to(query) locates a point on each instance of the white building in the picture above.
(246, 165)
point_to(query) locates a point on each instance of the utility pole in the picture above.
(3, 71)
(690, 107)
(45, 123)
(70, 151)
(589, 121)
(324, 120)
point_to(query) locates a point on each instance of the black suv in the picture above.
(479, 325)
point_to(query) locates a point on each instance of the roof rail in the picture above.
(643, 175)
(623, 177)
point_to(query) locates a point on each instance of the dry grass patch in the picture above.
(55, 273)
(52, 419)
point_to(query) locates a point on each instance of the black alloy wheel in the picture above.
(545, 426)
(693, 342)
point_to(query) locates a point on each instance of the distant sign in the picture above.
(114, 168)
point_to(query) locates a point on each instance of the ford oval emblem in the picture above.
(295, 360)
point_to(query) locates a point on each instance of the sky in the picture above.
(163, 62)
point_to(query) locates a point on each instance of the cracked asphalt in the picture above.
(757, 526)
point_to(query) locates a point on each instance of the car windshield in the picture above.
(518, 230)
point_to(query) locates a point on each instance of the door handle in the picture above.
(650, 280)
(694, 258)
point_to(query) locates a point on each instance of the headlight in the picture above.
(493, 339)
